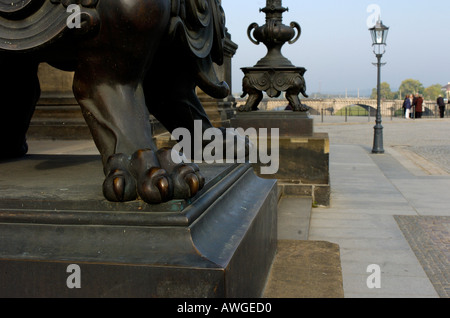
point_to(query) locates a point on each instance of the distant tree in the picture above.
(398, 95)
(385, 92)
(411, 86)
(432, 92)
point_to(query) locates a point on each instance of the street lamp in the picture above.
(379, 35)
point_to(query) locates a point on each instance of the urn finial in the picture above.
(274, 34)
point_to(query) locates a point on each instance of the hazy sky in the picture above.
(336, 47)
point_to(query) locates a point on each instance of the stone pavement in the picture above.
(391, 210)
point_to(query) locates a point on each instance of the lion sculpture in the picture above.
(130, 59)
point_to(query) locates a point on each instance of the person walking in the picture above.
(440, 102)
(419, 106)
(407, 107)
(404, 105)
(414, 105)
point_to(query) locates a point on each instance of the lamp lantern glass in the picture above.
(379, 35)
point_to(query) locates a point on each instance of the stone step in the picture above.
(302, 268)
(58, 117)
(57, 100)
(70, 130)
(58, 113)
(294, 216)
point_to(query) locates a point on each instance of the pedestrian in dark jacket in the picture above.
(414, 105)
(419, 106)
(441, 104)
(407, 107)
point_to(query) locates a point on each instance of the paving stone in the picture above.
(429, 237)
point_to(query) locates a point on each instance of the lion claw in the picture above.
(155, 186)
(186, 182)
(119, 185)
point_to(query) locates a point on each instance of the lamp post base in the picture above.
(378, 140)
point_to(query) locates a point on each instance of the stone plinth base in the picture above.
(303, 155)
(52, 215)
(289, 123)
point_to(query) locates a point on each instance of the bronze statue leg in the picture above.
(253, 101)
(172, 99)
(19, 93)
(171, 95)
(119, 123)
(294, 101)
(255, 96)
(108, 86)
(169, 88)
(292, 95)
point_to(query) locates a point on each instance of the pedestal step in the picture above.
(55, 225)
(58, 118)
(303, 161)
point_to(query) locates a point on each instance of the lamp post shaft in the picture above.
(378, 134)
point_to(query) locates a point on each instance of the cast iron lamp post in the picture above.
(379, 35)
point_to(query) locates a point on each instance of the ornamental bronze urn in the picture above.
(274, 73)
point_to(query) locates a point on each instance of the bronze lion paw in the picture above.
(151, 177)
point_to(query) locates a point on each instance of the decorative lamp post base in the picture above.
(378, 140)
(273, 81)
(274, 73)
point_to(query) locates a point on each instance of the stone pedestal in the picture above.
(304, 155)
(52, 215)
(289, 123)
